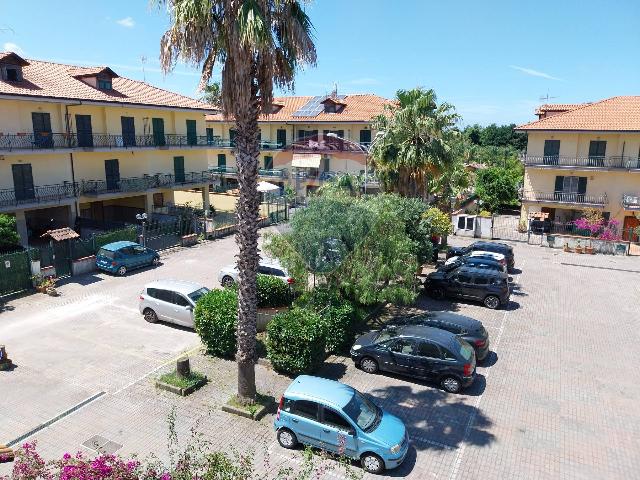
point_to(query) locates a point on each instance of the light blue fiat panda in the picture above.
(336, 417)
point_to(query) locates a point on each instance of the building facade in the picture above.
(305, 141)
(81, 143)
(581, 156)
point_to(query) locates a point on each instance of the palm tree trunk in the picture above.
(247, 150)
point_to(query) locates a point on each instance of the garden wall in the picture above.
(608, 247)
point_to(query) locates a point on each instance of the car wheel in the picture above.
(122, 271)
(155, 262)
(369, 365)
(287, 439)
(150, 316)
(372, 463)
(451, 384)
(227, 281)
(492, 302)
(437, 293)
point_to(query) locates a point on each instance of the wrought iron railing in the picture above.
(38, 194)
(224, 169)
(141, 184)
(273, 172)
(565, 197)
(614, 161)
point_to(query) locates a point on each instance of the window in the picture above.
(461, 223)
(570, 189)
(334, 419)
(365, 136)
(463, 278)
(470, 221)
(158, 199)
(305, 408)
(178, 169)
(481, 280)
(159, 294)
(180, 300)
(209, 136)
(158, 132)
(198, 294)
(446, 354)
(23, 181)
(192, 134)
(281, 137)
(268, 162)
(363, 411)
(404, 346)
(128, 131)
(112, 174)
(428, 349)
(330, 107)
(42, 129)
(232, 137)
(551, 152)
(84, 131)
(12, 73)
(104, 84)
(597, 151)
(139, 250)
(222, 160)
(465, 349)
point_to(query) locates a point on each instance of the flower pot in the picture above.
(578, 249)
(551, 240)
(588, 250)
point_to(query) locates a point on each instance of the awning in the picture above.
(61, 234)
(306, 160)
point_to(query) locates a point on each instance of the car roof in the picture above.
(492, 244)
(428, 333)
(483, 271)
(491, 260)
(112, 247)
(181, 286)
(457, 319)
(320, 390)
(265, 262)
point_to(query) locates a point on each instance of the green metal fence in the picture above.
(81, 248)
(15, 272)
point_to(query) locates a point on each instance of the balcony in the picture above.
(273, 172)
(317, 144)
(594, 163)
(40, 141)
(44, 194)
(142, 184)
(631, 201)
(223, 170)
(569, 198)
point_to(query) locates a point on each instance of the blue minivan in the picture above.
(336, 417)
(120, 257)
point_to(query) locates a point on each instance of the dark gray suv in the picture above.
(486, 286)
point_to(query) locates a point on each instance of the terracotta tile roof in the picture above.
(60, 234)
(558, 107)
(15, 58)
(56, 80)
(618, 114)
(357, 108)
(91, 71)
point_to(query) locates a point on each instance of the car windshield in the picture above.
(106, 253)
(195, 296)
(385, 335)
(465, 349)
(364, 412)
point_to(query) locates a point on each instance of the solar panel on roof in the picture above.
(313, 107)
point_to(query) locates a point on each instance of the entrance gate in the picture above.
(507, 227)
(15, 272)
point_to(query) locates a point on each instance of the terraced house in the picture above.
(304, 140)
(585, 155)
(84, 143)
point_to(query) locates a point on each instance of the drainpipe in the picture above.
(68, 131)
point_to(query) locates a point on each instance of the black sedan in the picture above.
(469, 329)
(475, 262)
(417, 351)
(496, 247)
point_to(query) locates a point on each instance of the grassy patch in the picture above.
(173, 379)
(261, 401)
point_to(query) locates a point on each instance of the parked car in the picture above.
(336, 417)
(496, 247)
(469, 329)
(418, 351)
(475, 262)
(479, 254)
(170, 301)
(229, 275)
(120, 257)
(486, 286)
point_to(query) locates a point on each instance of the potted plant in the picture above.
(566, 247)
(578, 247)
(551, 240)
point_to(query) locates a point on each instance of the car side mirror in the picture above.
(352, 432)
(189, 307)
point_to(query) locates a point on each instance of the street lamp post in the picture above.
(142, 218)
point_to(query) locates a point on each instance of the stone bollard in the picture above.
(183, 369)
(5, 361)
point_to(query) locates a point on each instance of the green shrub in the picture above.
(216, 316)
(272, 292)
(338, 324)
(295, 341)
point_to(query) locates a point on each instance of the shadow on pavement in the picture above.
(86, 279)
(489, 361)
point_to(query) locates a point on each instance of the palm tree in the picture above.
(211, 94)
(260, 45)
(415, 142)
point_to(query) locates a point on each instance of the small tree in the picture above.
(496, 187)
(8, 234)
(439, 222)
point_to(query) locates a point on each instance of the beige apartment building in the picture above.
(585, 155)
(85, 143)
(305, 141)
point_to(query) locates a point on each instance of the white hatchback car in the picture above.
(498, 257)
(229, 275)
(170, 301)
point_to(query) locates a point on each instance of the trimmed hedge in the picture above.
(215, 320)
(296, 341)
(272, 292)
(338, 324)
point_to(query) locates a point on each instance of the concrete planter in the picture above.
(183, 392)
(261, 411)
(84, 265)
(189, 240)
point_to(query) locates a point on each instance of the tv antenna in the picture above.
(546, 98)
(143, 60)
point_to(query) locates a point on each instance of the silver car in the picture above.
(170, 301)
(229, 275)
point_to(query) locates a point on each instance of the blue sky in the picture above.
(492, 59)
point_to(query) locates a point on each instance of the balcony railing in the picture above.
(223, 169)
(141, 184)
(615, 161)
(565, 197)
(31, 141)
(273, 172)
(39, 194)
(631, 201)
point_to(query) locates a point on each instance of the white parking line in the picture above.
(467, 431)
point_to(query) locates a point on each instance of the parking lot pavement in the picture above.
(557, 398)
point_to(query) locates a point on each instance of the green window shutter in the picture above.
(23, 181)
(268, 162)
(365, 136)
(158, 132)
(192, 134)
(232, 137)
(209, 136)
(281, 137)
(112, 174)
(559, 183)
(178, 169)
(222, 160)
(128, 131)
(84, 131)
(42, 129)
(582, 185)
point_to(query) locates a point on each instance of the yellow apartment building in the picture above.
(85, 143)
(305, 141)
(585, 155)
